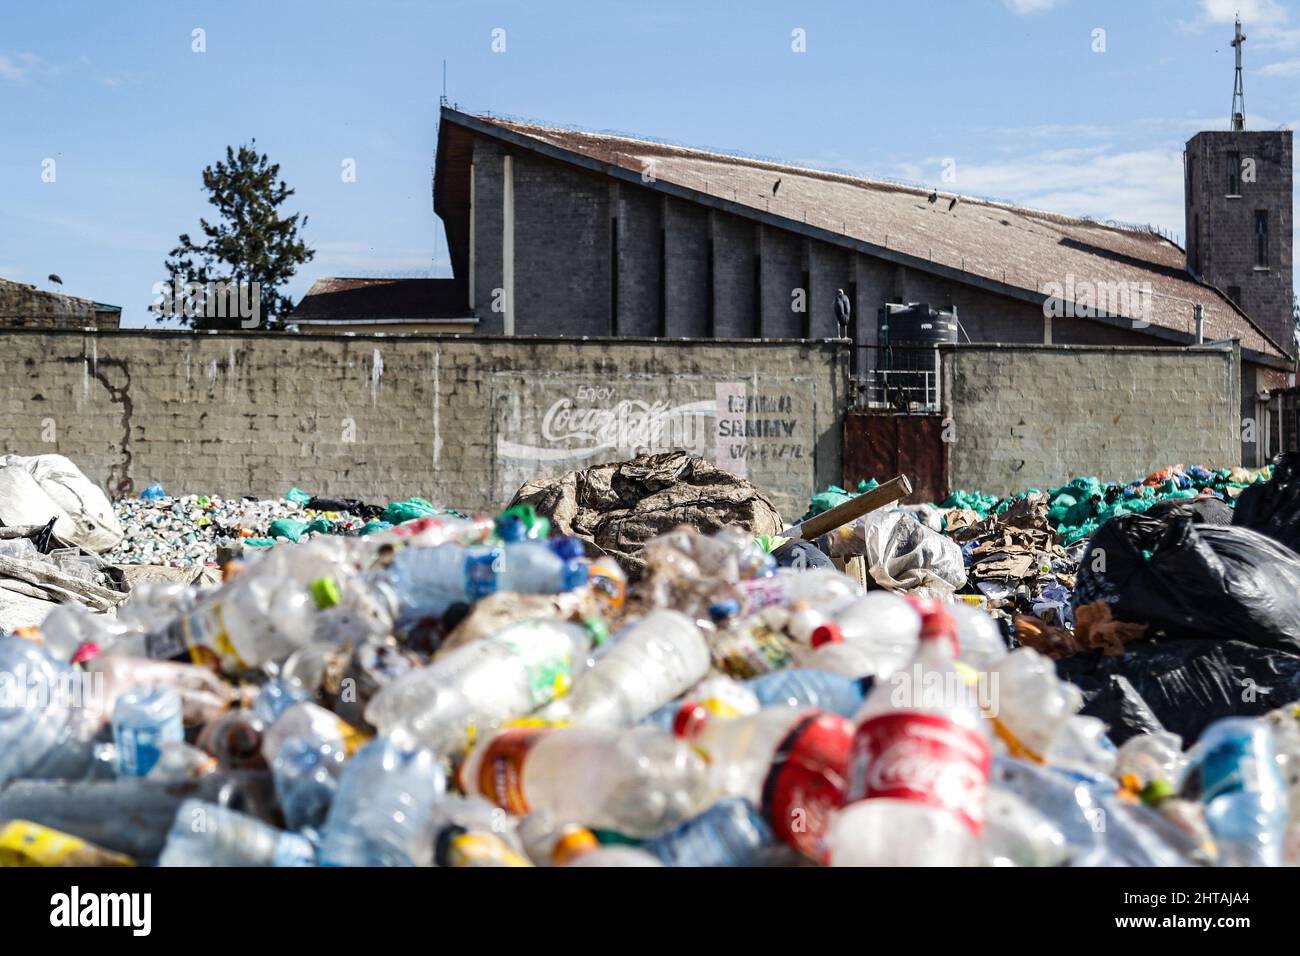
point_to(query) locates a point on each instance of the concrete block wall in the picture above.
(734, 314)
(22, 306)
(1038, 416)
(686, 265)
(562, 249)
(462, 421)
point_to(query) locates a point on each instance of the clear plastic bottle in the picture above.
(476, 686)
(549, 842)
(831, 653)
(70, 628)
(729, 833)
(636, 782)
(1150, 757)
(203, 695)
(143, 721)
(427, 581)
(126, 814)
(979, 637)
(609, 583)
(920, 764)
(1017, 834)
(791, 763)
(49, 713)
(1033, 705)
(1233, 770)
(382, 812)
(307, 719)
(659, 659)
(615, 856)
(801, 687)
(531, 567)
(821, 588)
(204, 834)
(307, 771)
(249, 622)
(720, 696)
(884, 624)
(752, 646)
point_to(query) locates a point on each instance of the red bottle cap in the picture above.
(690, 718)
(828, 633)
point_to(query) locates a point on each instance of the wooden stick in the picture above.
(877, 497)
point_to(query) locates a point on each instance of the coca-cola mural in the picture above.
(547, 425)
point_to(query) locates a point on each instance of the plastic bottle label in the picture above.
(482, 569)
(139, 747)
(550, 675)
(501, 774)
(482, 849)
(926, 759)
(763, 592)
(807, 781)
(202, 635)
(1229, 767)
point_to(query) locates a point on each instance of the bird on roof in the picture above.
(775, 186)
(55, 279)
(952, 205)
(932, 198)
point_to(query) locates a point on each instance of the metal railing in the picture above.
(901, 380)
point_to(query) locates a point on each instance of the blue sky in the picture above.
(1010, 90)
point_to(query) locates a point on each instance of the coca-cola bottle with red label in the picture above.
(919, 764)
(789, 762)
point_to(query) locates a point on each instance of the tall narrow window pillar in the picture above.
(508, 243)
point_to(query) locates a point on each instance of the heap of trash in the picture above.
(459, 690)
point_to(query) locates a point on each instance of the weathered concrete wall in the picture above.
(22, 306)
(460, 421)
(1026, 416)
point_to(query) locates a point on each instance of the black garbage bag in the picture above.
(803, 555)
(1206, 509)
(1184, 685)
(1114, 699)
(352, 506)
(1273, 507)
(1194, 580)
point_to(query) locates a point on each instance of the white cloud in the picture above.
(1142, 186)
(1026, 7)
(1251, 11)
(1282, 68)
(18, 67)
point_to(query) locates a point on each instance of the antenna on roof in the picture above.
(442, 100)
(1238, 94)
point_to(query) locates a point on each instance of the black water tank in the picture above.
(918, 325)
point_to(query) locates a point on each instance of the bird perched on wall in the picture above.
(775, 186)
(932, 197)
(55, 279)
(843, 310)
(952, 205)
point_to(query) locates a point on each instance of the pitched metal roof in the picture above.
(333, 299)
(1013, 249)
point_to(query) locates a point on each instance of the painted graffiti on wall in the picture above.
(546, 425)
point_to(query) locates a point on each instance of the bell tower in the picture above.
(1238, 207)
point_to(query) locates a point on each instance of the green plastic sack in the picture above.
(297, 496)
(399, 511)
(287, 528)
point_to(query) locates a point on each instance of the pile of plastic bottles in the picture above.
(469, 692)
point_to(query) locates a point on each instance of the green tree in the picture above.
(251, 242)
